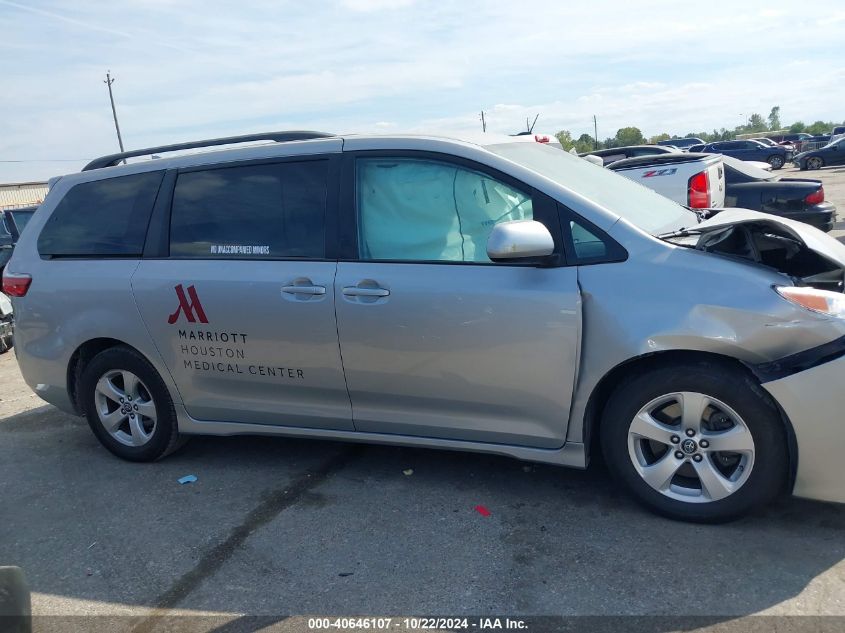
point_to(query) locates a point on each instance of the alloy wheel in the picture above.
(776, 162)
(691, 447)
(814, 163)
(125, 407)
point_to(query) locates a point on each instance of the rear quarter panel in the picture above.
(70, 302)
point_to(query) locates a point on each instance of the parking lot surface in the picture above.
(278, 526)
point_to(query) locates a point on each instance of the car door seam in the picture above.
(150, 334)
(339, 346)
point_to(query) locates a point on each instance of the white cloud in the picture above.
(185, 70)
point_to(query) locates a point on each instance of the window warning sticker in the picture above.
(239, 249)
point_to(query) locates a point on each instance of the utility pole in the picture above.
(483, 122)
(109, 81)
(596, 132)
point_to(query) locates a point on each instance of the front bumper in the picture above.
(814, 401)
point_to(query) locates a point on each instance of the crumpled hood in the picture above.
(817, 241)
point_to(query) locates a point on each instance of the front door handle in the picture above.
(305, 290)
(304, 287)
(357, 291)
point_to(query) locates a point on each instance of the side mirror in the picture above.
(519, 239)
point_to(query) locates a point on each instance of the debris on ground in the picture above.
(482, 511)
(408, 471)
(187, 479)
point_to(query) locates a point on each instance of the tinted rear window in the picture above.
(21, 219)
(104, 218)
(249, 212)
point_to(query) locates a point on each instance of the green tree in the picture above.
(629, 136)
(585, 144)
(797, 127)
(756, 123)
(565, 139)
(819, 127)
(659, 137)
(774, 119)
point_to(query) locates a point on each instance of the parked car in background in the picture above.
(611, 155)
(799, 199)
(777, 157)
(538, 137)
(787, 145)
(789, 138)
(691, 179)
(831, 154)
(681, 143)
(839, 129)
(12, 222)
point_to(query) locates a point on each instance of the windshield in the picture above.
(747, 169)
(639, 205)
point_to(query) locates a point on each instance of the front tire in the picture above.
(815, 162)
(776, 161)
(697, 442)
(128, 406)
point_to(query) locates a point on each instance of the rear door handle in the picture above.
(357, 291)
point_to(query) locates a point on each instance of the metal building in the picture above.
(22, 194)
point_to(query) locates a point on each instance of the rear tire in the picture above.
(776, 161)
(128, 406)
(736, 459)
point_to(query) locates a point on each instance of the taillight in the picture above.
(542, 139)
(817, 197)
(698, 193)
(16, 284)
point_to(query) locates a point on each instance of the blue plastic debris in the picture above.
(187, 479)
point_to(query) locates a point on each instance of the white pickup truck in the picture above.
(693, 180)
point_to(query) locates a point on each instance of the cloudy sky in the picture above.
(189, 69)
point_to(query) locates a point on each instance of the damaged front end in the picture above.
(806, 254)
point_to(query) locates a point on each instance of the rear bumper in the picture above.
(814, 402)
(822, 216)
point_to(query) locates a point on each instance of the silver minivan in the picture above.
(493, 296)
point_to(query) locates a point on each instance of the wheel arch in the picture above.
(617, 375)
(80, 358)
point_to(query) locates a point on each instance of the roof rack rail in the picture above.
(280, 137)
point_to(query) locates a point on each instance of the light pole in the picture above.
(109, 81)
